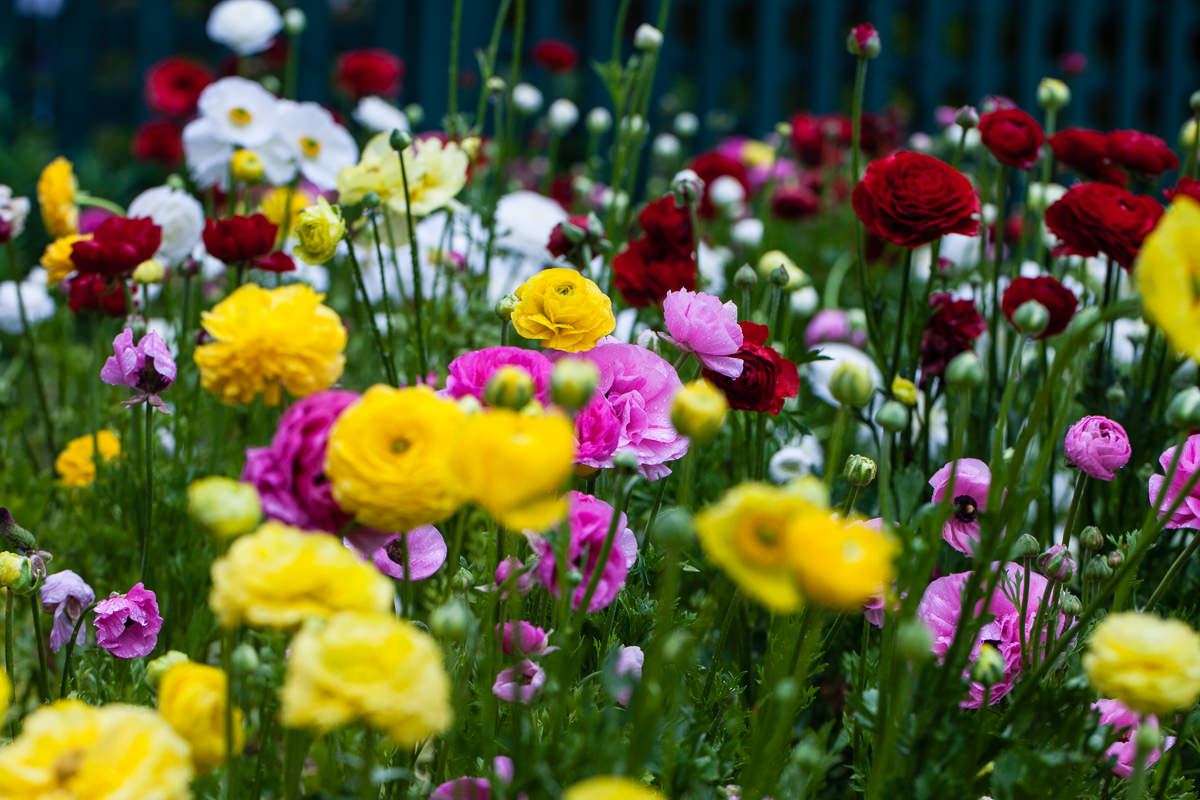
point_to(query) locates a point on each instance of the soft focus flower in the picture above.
(471, 372)
(369, 71)
(563, 309)
(127, 625)
(308, 138)
(522, 638)
(912, 199)
(146, 367)
(281, 207)
(554, 55)
(1013, 136)
(1164, 273)
(71, 750)
(390, 458)
(158, 142)
(700, 323)
(192, 698)
(1141, 152)
(75, 465)
(13, 211)
(368, 667)
(178, 214)
(244, 26)
(1126, 723)
(319, 228)
(475, 788)
(1097, 445)
(66, 595)
(268, 340)
(698, 410)
(56, 189)
(611, 787)
(968, 497)
(588, 520)
(426, 554)
(223, 506)
(1057, 299)
(1188, 513)
(1094, 218)
(521, 683)
(173, 85)
(378, 115)
(952, 327)
(630, 661)
(56, 258)
(1149, 663)
(766, 380)
(117, 246)
(832, 325)
(238, 239)
(710, 167)
(94, 293)
(837, 564)
(437, 172)
(1086, 152)
(661, 260)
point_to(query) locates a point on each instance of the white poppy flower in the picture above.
(242, 112)
(313, 141)
(244, 26)
(39, 305)
(377, 114)
(207, 154)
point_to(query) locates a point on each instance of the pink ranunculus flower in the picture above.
(1126, 722)
(521, 683)
(1097, 445)
(510, 566)
(475, 788)
(1188, 513)
(426, 554)
(968, 497)
(700, 324)
(832, 325)
(589, 519)
(127, 625)
(523, 639)
(630, 661)
(146, 367)
(67, 595)
(470, 372)
(290, 474)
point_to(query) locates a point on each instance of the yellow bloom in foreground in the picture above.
(839, 565)
(611, 787)
(74, 464)
(563, 309)
(5, 693)
(268, 340)
(698, 410)
(745, 534)
(1149, 663)
(56, 197)
(191, 697)
(370, 667)
(275, 207)
(319, 229)
(391, 458)
(515, 465)
(279, 576)
(71, 750)
(56, 258)
(1168, 275)
(246, 166)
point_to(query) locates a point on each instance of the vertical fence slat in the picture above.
(1129, 51)
(712, 40)
(883, 78)
(316, 48)
(1030, 46)
(1179, 20)
(985, 29)
(69, 40)
(827, 42)
(434, 79)
(768, 83)
(156, 39)
(600, 16)
(931, 19)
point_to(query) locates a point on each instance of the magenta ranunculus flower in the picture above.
(589, 519)
(426, 554)
(509, 566)
(475, 788)
(832, 325)
(67, 595)
(1126, 723)
(524, 639)
(521, 683)
(699, 323)
(127, 625)
(1099, 446)
(470, 372)
(630, 661)
(968, 497)
(290, 474)
(146, 367)
(1188, 513)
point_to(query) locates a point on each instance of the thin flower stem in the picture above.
(1194, 150)
(997, 261)
(227, 644)
(34, 365)
(366, 785)
(418, 300)
(147, 457)
(1073, 511)
(490, 62)
(841, 422)
(84, 199)
(1178, 564)
(894, 364)
(860, 248)
(70, 651)
(384, 356)
(43, 679)
(383, 288)
(455, 36)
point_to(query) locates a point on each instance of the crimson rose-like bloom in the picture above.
(174, 84)
(911, 199)
(239, 239)
(953, 327)
(1094, 218)
(96, 293)
(1057, 299)
(1013, 136)
(661, 260)
(767, 378)
(159, 142)
(1186, 185)
(555, 55)
(794, 201)
(117, 246)
(1141, 152)
(1086, 152)
(370, 71)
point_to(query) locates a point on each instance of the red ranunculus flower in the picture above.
(951, 329)
(767, 378)
(668, 225)
(174, 84)
(661, 260)
(1057, 299)
(794, 201)
(710, 166)
(159, 142)
(1094, 218)
(1185, 185)
(276, 262)
(1141, 152)
(370, 71)
(91, 292)
(1086, 152)
(912, 199)
(117, 246)
(239, 239)
(808, 139)
(555, 55)
(559, 245)
(1013, 136)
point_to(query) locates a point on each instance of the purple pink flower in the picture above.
(1188, 513)
(968, 497)
(475, 788)
(589, 519)
(127, 625)
(521, 683)
(523, 639)
(426, 554)
(699, 323)
(630, 661)
(1099, 446)
(470, 372)
(146, 367)
(510, 566)
(832, 325)
(1125, 723)
(67, 595)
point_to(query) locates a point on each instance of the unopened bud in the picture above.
(1091, 538)
(745, 277)
(1056, 564)
(859, 470)
(913, 642)
(244, 659)
(672, 528)
(892, 416)
(16, 574)
(157, 668)
(1148, 738)
(698, 410)
(414, 113)
(1069, 604)
(988, 668)
(13, 536)
(783, 130)
(246, 166)
(1031, 318)
(967, 117)
(450, 621)
(509, 387)
(495, 85)
(964, 371)
(687, 186)
(223, 506)
(526, 98)
(1115, 559)
(1097, 570)
(1183, 412)
(647, 38)
(399, 140)
(1116, 394)
(851, 385)
(599, 120)
(573, 382)
(149, 271)
(863, 41)
(1053, 94)
(779, 276)
(371, 200)
(1026, 546)
(505, 306)
(562, 115)
(626, 460)
(294, 21)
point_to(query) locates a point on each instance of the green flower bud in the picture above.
(16, 574)
(1115, 559)
(509, 387)
(450, 621)
(371, 200)
(626, 460)
(698, 410)
(1097, 569)
(988, 668)
(851, 385)
(1031, 318)
(892, 416)
(244, 659)
(1194, 102)
(967, 117)
(1069, 604)
(745, 277)
(859, 470)
(1086, 320)
(672, 528)
(1091, 538)
(1053, 94)
(1027, 546)
(573, 382)
(399, 140)
(1148, 738)
(1116, 394)
(12, 535)
(1184, 410)
(505, 306)
(964, 371)
(913, 642)
(415, 114)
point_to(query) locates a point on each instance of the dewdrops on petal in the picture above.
(192, 697)
(127, 625)
(56, 189)
(75, 464)
(837, 564)
(1165, 271)
(522, 683)
(611, 787)
(1149, 663)
(1098, 446)
(564, 310)
(368, 667)
(56, 258)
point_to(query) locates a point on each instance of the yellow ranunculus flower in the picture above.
(224, 507)
(377, 170)
(563, 309)
(246, 166)
(515, 465)
(370, 667)
(268, 340)
(611, 787)
(279, 576)
(319, 229)
(71, 750)
(838, 565)
(56, 258)
(698, 410)
(904, 390)
(1168, 275)
(390, 459)
(56, 189)
(192, 697)
(1149, 663)
(437, 172)
(274, 205)
(75, 465)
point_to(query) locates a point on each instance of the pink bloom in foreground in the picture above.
(67, 595)
(127, 625)
(699, 323)
(426, 554)
(589, 519)
(146, 367)
(1097, 445)
(968, 497)
(1126, 722)
(1188, 513)
(475, 788)
(521, 683)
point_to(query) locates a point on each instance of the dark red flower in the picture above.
(951, 329)
(661, 260)
(173, 85)
(1094, 218)
(863, 40)
(555, 55)
(794, 201)
(1141, 152)
(1013, 136)
(117, 246)
(1086, 152)
(580, 251)
(1072, 64)
(239, 239)
(1185, 185)
(710, 166)
(808, 139)
(668, 225)
(91, 292)
(767, 378)
(1057, 299)
(158, 142)
(911, 199)
(370, 71)
(275, 262)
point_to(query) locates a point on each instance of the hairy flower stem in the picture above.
(381, 350)
(418, 301)
(35, 369)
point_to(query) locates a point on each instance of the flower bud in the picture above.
(1115, 559)
(1031, 318)
(779, 276)
(1026, 546)
(698, 410)
(1053, 94)
(966, 117)
(647, 38)
(1187, 134)
(672, 528)
(913, 642)
(509, 387)
(599, 120)
(562, 115)
(16, 573)
(1194, 102)
(1183, 412)
(988, 668)
(319, 228)
(223, 506)
(851, 385)
(687, 186)
(745, 277)
(1069, 604)
(1041, 196)
(526, 98)
(149, 271)
(294, 21)
(686, 124)
(1148, 738)
(244, 659)
(1056, 564)
(904, 390)
(371, 200)
(859, 470)
(863, 41)
(415, 114)
(1091, 538)
(771, 260)
(505, 306)
(964, 371)
(157, 668)
(1116, 394)
(399, 140)
(1097, 569)
(783, 130)
(573, 382)
(892, 416)
(626, 460)
(246, 166)
(13, 535)
(450, 621)
(495, 85)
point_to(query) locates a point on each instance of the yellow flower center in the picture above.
(67, 764)
(240, 116)
(564, 289)
(310, 147)
(399, 446)
(759, 542)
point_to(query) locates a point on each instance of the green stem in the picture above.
(894, 365)
(997, 261)
(620, 498)
(1073, 511)
(860, 82)
(1178, 564)
(455, 35)
(366, 786)
(833, 456)
(70, 651)
(418, 300)
(147, 454)
(43, 679)
(384, 358)
(227, 644)
(84, 199)
(35, 367)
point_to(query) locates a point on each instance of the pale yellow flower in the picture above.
(611, 787)
(275, 205)
(1149, 663)
(1168, 275)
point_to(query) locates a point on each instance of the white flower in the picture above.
(244, 26)
(727, 192)
(747, 232)
(562, 115)
(207, 154)
(686, 124)
(376, 114)
(526, 98)
(665, 146)
(39, 305)
(46, 9)
(805, 301)
(309, 138)
(294, 21)
(178, 214)
(647, 38)
(242, 112)
(599, 120)
(797, 459)
(13, 211)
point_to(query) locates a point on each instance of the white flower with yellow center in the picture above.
(207, 154)
(309, 139)
(242, 112)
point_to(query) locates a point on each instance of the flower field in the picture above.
(539, 452)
